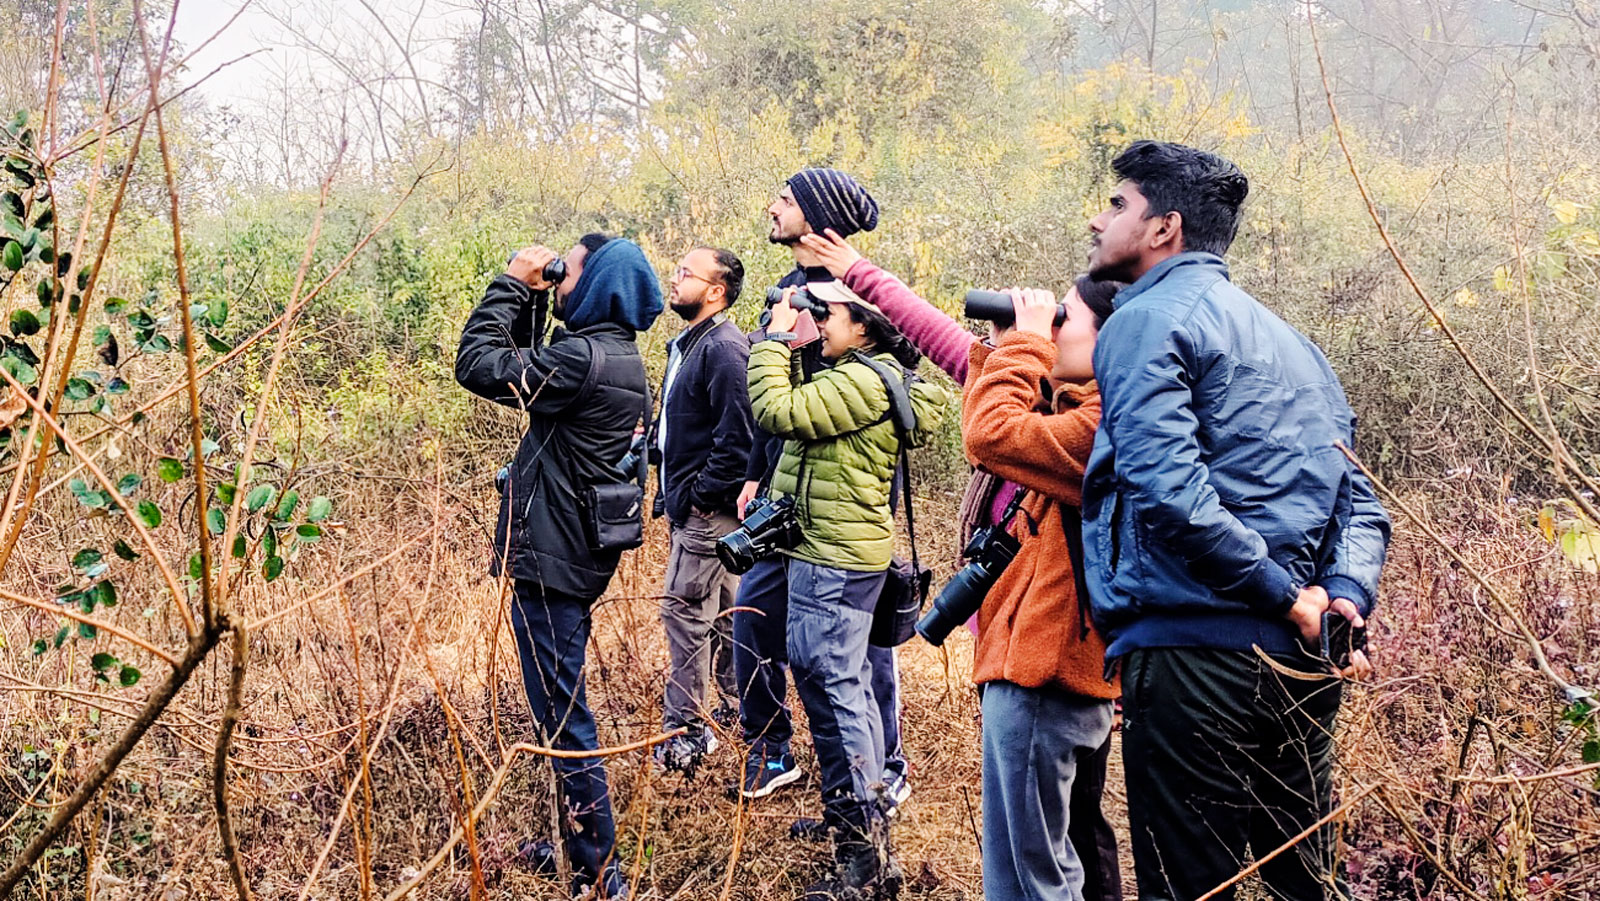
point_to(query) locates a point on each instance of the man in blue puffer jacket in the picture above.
(1221, 520)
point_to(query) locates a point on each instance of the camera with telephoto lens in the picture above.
(996, 307)
(638, 450)
(991, 550)
(800, 300)
(770, 525)
(554, 271)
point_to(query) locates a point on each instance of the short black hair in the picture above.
(1097, 296)
(1203, 188)
(883, 337)
(729, 271)
(593, 241)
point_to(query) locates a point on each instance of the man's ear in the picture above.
(1168, 233)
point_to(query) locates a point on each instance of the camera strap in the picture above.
(1072, 525)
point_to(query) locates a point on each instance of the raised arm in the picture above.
(836, 401)
(495, 359)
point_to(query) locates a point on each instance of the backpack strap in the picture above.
(597, 360)
(904, 418)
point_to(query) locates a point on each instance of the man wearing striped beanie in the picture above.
(815, 200)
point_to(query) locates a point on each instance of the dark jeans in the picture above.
(552, 633)
(760, 662)
(1223, 754)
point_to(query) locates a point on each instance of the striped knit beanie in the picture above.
(831, 199)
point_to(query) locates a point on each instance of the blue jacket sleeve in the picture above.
(1361, 548)
(495, 359)
(718, 483)
(1152, 364)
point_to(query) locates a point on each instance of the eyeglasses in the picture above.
(683, 272)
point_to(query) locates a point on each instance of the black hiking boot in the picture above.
(864, 869)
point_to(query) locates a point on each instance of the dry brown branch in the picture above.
(219, 770)
(70, 612)
(329, 590)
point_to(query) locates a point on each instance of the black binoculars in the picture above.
(554, 271)
(800, 300)
(996, 307)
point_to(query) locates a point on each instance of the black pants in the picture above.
(552, 633)
(1222, 753)
(1090, 832)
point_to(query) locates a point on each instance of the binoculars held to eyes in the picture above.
(996, 307)
(554, 271)
(801, 300)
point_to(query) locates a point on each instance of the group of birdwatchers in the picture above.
(1164, 455)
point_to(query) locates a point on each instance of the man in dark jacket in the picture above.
(704, 436)
(1221, 520)
(583, 392)
(811, 201)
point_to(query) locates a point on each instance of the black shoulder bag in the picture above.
(613, 512)
(906, 583)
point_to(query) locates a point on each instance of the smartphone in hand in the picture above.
(805, 330)
(1340, 639)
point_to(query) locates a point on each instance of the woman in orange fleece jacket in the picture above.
(1029, 414)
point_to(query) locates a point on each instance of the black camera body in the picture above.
(991, 550)
(770, 525)
(800, 300)
(996, 307)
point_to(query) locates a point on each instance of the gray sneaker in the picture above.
(683, 753)
(896, 789)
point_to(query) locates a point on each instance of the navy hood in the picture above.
(616, 285)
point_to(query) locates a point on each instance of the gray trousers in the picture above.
(830, 619)
(697, 596)
(1033, 741)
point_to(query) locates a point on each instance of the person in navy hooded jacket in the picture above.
(1221, 520)
(584, 391)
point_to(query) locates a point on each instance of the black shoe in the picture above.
(808, 829)
(538, 856)
(863, 871)
(764, 775)
(726, 715)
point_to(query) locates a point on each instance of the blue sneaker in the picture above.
(896, 788)
(764, 775)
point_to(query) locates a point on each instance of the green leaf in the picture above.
(226, 492)
(20, 369)
(1591, 751)
(46, 290)
(45, 219)
(117, 387)
(124, 550)
(238, 545)
(77, 389)
(11, 202)
(94, 500)
(269, 542)
(319, 510)
(100, 335)
(291, 500)
(24, 323)
(87, 631)
(169, 469)
(11, 223)
(13, 255)
(217, 344)
(29, 239)
(107, 593)
(208, 447)
(197, 568)
(272, 568)
(218, 314)
(216, 520)
(102, 661)
(86, 558)
(158, 344)
(128, 675)
(116, 305)
(61, 635)
(309, 531)
(260, 496)
(129, 483)
(149, 514)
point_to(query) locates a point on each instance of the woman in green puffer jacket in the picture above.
(838, 463)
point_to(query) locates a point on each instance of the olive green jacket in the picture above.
(838, 422)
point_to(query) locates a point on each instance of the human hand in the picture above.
(784, 316)
(998, 331)
(1306, 614)
(1360, 665)
(833, 252)
(528, 266)
(746, 495)
(1036, 310)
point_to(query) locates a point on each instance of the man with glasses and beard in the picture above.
(703, 432)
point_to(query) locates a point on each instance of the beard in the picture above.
(687, 309)
(776, 236)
